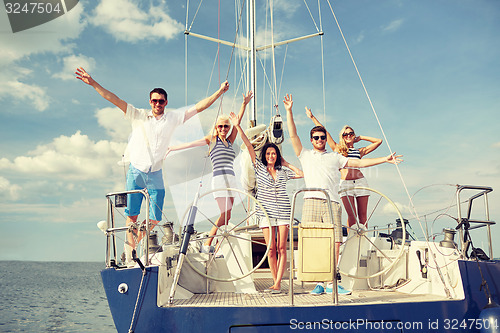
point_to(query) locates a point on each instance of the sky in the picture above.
(430, 68)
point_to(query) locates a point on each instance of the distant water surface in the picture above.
(53, 297)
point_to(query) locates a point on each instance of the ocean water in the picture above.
(53, 297)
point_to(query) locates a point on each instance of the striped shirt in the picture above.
(222, 158)
(272, 193)
(354, 153)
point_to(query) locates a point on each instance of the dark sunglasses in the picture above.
(348, 134)
(317, 137)
(221, 126)
(159, 101)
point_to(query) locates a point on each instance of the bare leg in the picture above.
(350, 207)
(225, 206)
(282, 237)
(152, 224)
(362, 203)
(130, 236)
(271, 256)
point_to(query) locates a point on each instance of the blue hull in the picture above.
(440, 316)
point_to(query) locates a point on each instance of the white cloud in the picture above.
(393, 26)
(70, 63)
(113, 120)
(125, 21)
(360, 37)
(8, 191)
(85, 210)
(11, 86)
(70, 158)
(50, 37)
(389, 209)
(286, 6)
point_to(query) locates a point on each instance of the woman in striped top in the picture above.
(271, 192)
(222, 156)
(355, 200)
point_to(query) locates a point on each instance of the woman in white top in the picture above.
(355, 201)
(271, 192)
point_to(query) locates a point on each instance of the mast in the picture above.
(251, 52)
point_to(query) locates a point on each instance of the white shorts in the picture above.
(349, 184)
(224, 181)
(273, 222)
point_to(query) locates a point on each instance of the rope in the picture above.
(195, 14)
(371, 105)
(218, 37)
(136, 303)
(197, 195)
(310, 14)
(283, 70)
(322, 63)
(273, 54)
(267, 80)
(412, 206)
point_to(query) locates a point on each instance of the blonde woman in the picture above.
(222, 156)
(355, 200)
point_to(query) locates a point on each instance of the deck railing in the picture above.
(111, 229)
(335, 297)
(483, 192)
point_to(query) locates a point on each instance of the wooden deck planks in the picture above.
(301, 298)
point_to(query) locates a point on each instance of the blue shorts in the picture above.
(153, 181)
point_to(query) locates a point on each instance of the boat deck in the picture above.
(302, 297)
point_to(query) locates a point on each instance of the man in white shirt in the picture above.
(149, 141)
(322, 170)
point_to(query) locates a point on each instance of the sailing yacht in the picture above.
(398, 281)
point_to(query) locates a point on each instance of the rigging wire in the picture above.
(273, 56)
(370, 101)
(221, 97)
(412, 206)
(195, 14)
(218, 37)
(212, 72)
(282, 70)
(322, 63)
(312, 18)
(263, 65)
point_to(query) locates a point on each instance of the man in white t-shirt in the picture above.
(149, 141)
(322, 170)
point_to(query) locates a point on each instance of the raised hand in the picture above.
(309, 113)
(234, 119)
(85, 77)
(224, 86)
(247, 97)
(288, 101)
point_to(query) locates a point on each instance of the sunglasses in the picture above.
(348, 134)
(223, 126)
(159, 101)
(317, 137)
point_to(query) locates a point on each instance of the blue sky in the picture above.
(431, 69)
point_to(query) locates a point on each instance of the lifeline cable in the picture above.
(412, 206)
